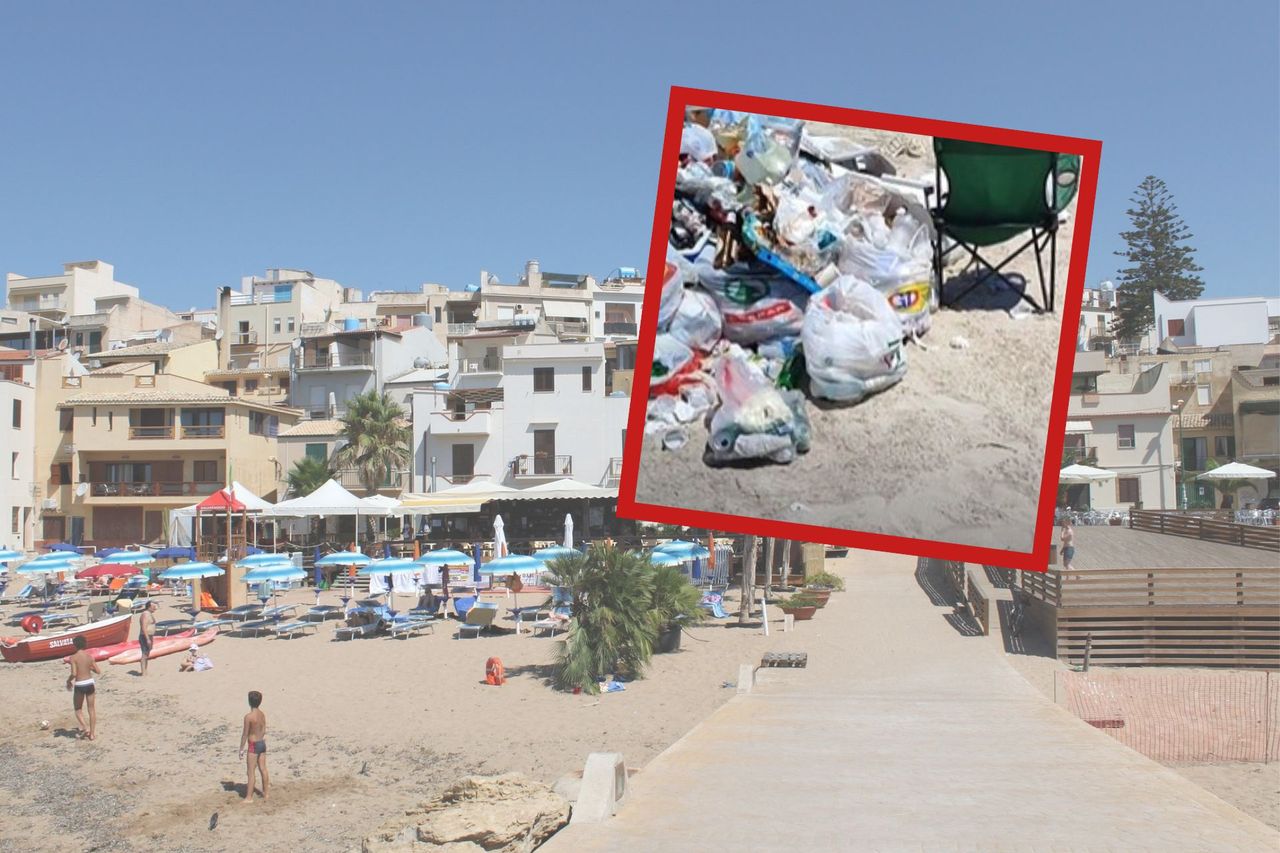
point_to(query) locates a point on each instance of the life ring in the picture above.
(32, 624)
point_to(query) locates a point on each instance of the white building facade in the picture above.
(18, 488)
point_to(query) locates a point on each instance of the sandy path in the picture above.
(952, 453)
(411, 714)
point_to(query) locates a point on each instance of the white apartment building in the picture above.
(1216, 322)
(1124, 424)
(75, 291)
(615, 305)
(18, 488)
(562, 301)
(520, 410)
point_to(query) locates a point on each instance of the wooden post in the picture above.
(1088, 649)
(748, 576)
(769, 544)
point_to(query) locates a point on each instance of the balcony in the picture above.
(477, 422)
(151, 432)
(488, 364)
(204, 431)
(459, 329)
(542, 465)
(266, 297)
(1080, 456)
(568, 327)
(613, 475)
(337, 361)
(243, 339)
(152, 489)
(620, 328)
(350, 479)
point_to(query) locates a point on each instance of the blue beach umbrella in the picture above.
(64, 546)
(555, 552)
(512, 563)
(391, 566)
(444, 557)
(174, 552)
(191, 571)
(8, 556)
(129, 558)
(475, 566)
(660, 559)
(262, 558)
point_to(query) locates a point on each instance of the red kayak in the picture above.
(106, 652)
(51, 646)
(166, 646)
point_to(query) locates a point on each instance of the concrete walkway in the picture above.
(902, 734)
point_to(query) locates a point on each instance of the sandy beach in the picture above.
(358, 731)
(952, 453)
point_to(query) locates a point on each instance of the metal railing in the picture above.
(317, 361)
(350, 478)
(1082, 455)
(488, 364)
(204, 431)
(154, 489)
(542, 465)
(461, 328)
(614, 472)
(620, 328)
(151, 431)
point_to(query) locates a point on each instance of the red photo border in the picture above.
(1035, 560)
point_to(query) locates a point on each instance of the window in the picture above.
(319, 452)
(1202, 395)
(111, 420)
(1127, 490)
(205, 471)
(260, 423)
(437, 314)
(1177, 328)
(544, 379)
(1084, 383)
(275, 325)
(12, 372)
(586, 378)
(250, 385)
(17, 414)
(13, 466)
(16, 523)
(66, 417)
(1270, 381)
(290, 326)
(60, 474)
(464, 462)
(1124, 437)
(1224, 447)
(94, 416)
(1203, 365)
(544, 451)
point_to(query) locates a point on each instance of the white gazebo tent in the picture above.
(1078, 474)
(1235, 472)
(330, 499)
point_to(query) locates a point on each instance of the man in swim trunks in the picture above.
(80, 681)
(253, 742)
(1068, 539)
(146, 632)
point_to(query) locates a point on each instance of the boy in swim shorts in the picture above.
(253, 742)
(81, 682)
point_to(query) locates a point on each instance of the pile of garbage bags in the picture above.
(793, 268)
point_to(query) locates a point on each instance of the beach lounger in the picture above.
(361, 622)
(257, 627)
(479, 618)
(27, 593)
(172, 626)
(557, 620)
(411, 625)
(994, 194)
(715, 604)
(462, 606)
(279, 611)
(206, 624)
(321, 612)
(243, 612)
(293, 629)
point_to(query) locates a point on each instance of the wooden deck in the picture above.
(1121, 548)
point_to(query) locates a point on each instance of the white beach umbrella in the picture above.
(568, 530)
(499, 538)
(1078, 474)
(1231, 475)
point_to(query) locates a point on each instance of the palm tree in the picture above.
(377, 440)
(307, 475)
(620, 603)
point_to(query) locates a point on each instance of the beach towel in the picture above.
(377, 585)
(403, 583)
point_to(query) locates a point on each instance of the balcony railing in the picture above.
(614, 474)
(477, 422)
(264, 298)
(152, 489)
(620, 328)
(1080, 456)
(204, 431)
(349, 478)
(461, 328)
(151, 431)
(244, 339)
(542, 465)
(328, 361)
(488, 364)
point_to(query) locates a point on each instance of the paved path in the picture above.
(905, 735)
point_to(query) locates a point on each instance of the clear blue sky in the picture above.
(192, 143)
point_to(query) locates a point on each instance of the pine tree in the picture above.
(1158, 257)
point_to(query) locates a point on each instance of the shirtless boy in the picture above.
(253, 742)
(147, 632)
(80, 681)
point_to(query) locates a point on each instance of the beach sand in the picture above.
(953, 453)
(412, 714)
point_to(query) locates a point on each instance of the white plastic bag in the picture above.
(696, 322)
(697, 142)
(901, 269)
(755, 420)
(852, 342)
(755, 305)
(672, 294)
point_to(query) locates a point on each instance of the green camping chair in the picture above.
(995, 193)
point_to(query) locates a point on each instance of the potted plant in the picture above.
(819, 581)
(801, 606)
(676, 603)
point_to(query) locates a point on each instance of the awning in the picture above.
(1079, 426)
(562, 308)
(563, 489)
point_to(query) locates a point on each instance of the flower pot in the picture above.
(668, 639)
(820, 597)
(800, 614)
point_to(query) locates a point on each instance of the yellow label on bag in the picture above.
(910, 298)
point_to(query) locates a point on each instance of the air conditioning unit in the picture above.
(49, 503)
(69, 449)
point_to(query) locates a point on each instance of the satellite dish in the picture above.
(82, 490)
(62, 345)
(297, 343)
(217, 336)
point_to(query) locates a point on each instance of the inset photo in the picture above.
(859, 326)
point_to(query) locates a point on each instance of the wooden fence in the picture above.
(1176, 617)
(1210, 529)
(968, 588)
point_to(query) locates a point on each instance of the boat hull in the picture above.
(53, 646)
(167, 646)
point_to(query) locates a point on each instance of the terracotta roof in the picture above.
(147, 397)
(120, 369)
(307, 428)
(20, 354)
(245, 371)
